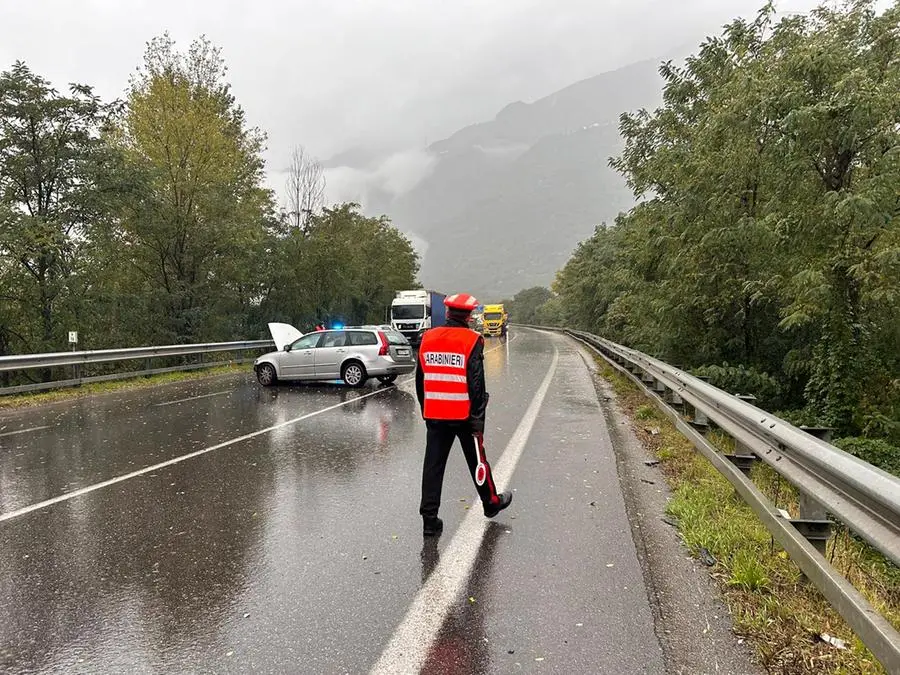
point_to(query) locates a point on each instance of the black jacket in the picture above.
(478, 395)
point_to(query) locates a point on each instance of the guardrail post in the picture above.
(822, 433)
(698, 417)
(813, 522)
(816, 531)
(739, 447)
(743, 458)
(744, 462)
(671, 396)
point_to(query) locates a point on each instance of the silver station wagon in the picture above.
(352, 354)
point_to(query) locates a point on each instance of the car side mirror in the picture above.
(287, 348)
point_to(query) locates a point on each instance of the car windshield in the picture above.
(396, 339)
(493, 316)
(408, 312)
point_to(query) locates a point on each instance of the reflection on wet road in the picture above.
(293, 546)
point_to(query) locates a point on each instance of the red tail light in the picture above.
(385, 347)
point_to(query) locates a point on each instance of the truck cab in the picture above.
(413, 312)
(494, 320)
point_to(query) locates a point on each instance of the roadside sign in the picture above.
(73, 337)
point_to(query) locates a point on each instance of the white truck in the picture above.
(414, 312)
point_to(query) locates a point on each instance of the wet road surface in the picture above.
(299, 549)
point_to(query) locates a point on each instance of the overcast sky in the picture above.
(333, 74)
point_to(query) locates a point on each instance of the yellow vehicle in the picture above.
(495, 320)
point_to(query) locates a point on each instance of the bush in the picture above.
(874, 451)
(744, 380)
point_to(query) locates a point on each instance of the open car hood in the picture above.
(283, 334)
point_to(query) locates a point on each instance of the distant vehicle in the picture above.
(414, 312)
(353, 354)
(495, 320)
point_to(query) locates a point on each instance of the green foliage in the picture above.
(768, 235)
(645, 412)
(50, 152)
(744, 380)
(524, 307)
(194, 222)
(875, 451)
(747, 572)
(147, 221)
(341, 265)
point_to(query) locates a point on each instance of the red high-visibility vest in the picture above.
(444, 355)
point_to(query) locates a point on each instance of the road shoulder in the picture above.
(693, 625)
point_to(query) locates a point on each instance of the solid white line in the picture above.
(22, 431)
(411, 642)
(176, 460)
(192, 398)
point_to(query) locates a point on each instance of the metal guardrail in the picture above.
(78, 360)
(829, 481)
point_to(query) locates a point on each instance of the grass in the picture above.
(772, 604)
(90, 389)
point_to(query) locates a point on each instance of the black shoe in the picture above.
(432, 527)
(491, 510)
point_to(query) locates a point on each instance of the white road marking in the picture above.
(176, 460)
(412, 640)
(22, 431)
(192, 398)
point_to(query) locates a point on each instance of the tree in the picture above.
(199, 212)
(305, 187)
(50, 150)
(768, 233)
(343, 265)
(525, 305)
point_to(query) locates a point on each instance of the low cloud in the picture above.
(395, 175)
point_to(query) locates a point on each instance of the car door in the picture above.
(299, 362)
(330, 354)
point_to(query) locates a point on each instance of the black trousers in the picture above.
(440, 437)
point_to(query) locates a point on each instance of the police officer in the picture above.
(453, 397)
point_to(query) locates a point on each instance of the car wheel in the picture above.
(266, 374)
(387, 379)
(354, 374)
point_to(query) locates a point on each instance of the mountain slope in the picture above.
(509, 199)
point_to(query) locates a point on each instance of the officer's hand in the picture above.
(477, 427)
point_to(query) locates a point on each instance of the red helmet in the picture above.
(461, 302)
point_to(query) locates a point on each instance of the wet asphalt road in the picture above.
(300, 549)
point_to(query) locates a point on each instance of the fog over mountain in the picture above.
(499, 205)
